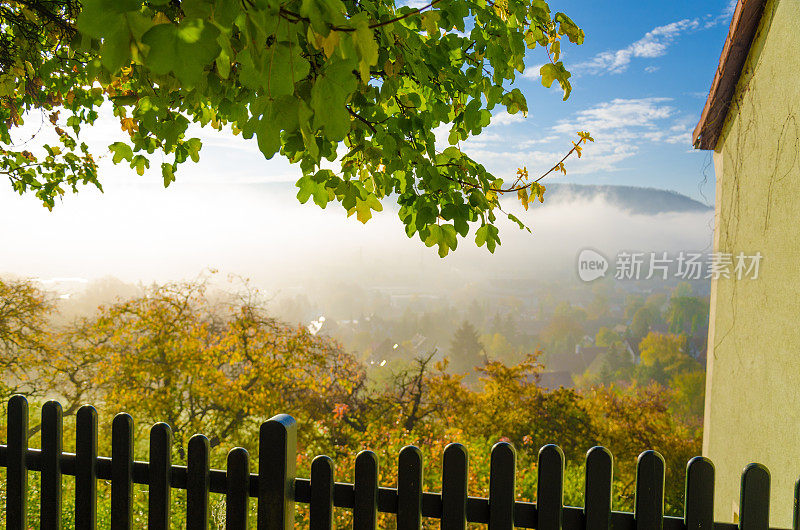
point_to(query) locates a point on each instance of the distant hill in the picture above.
(636, 200)
(646, 201)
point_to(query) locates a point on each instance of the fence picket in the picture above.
(17, 475)
(502, 472)
(409, 489)
(121, 472)
(754, 500)
(550, 488)
(698, 513)
(198, 478)
(365, 490)
(455, 469)
(159, 471)
(274, 486)
(52, 440)
(597, 490)
(86, 468)
(277, 450)
(649, 499)
(237, 496)
(321, 505)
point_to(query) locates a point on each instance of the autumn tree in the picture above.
(565, 328)
(627, 420)
(466, 350)
(687, 314)
(647, 315)
(607, 337)
(508, 402)
(402, 399)
(25, 311)
(498, 347)
(667, 351)
(362, 84)
(689, 396)
(204, 364)
(217, 363)
(633, 302)
(599, 306)
(39, 357)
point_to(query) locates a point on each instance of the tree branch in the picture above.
(363, 120)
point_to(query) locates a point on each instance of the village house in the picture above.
(750, 123)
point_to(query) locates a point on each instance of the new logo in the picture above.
(591, 265)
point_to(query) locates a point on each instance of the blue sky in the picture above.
(639, 85)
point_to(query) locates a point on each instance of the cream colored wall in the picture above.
(753, 385)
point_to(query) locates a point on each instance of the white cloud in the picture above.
(650, 69)
(603, 156)
(730, 8)
(537, 141)
(680, 132)
(504, 118)
(151, 234)
(654, 44)
(532, 72)
(618, 116)
(416, 4)
(622, 128)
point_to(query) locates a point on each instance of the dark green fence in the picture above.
(276, 489)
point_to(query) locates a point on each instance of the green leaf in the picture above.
(363, 211)
(168, 173)
(442, 235)
(310, 143)
(459, 214)
(567, 27)
(196, 8)
(105, 18)
(225, 12)
(515, 101)
(314, 186)
(312, 80)
(223, 62)
(268, 133)
(487, 235)
(556, 72)
(140, 163)
(519, 223)
(323, 14)
(285, 67)
(430, 21)
(374, 203)
(449, 238)
(193, 146)
(453, 153)
(122, 151)
(116, 51)
(366, 48)
(185, 50)
(481, 235)
(329, 99)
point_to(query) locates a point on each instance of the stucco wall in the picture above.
(753, 385)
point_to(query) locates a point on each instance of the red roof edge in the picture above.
(734, 54)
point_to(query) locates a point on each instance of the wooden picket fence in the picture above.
(276, 489)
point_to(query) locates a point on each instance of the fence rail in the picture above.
(276, 488)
